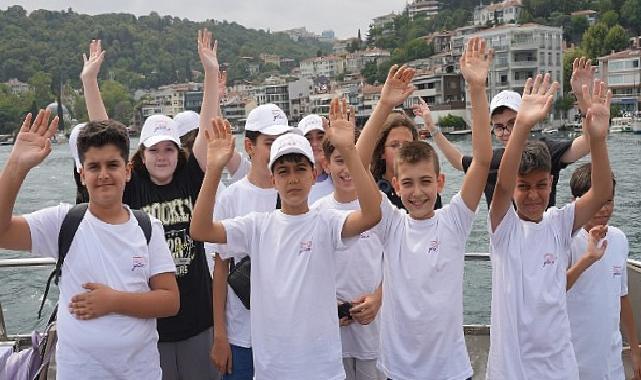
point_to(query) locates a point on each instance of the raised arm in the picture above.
(341, 133)
(220, 148)
(538, 96)
(451, 153)
(397, 87)
(593, 253)
(596, 126)
(32, 146)
(211, 101)
(90, 69)
(475, 63)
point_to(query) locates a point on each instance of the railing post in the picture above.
(3, 329)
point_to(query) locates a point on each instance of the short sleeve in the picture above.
(335, 220)
(160, 259)
(459, 214)
(240, 235)
(242, 171)
(557, 150)
(466, 162)
(563, 223)
(504, 230)
(44, 226)
(390, 216)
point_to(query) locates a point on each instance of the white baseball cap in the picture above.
(310, 123)
(186, 122)
(73, 145)
(158, 128)
(268, 119)
(506, 98)
(290, 143)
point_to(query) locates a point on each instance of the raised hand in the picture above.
(32, 144)
(340, 130)
(423, 110)
(597, 120)
(595, 250)
(536, 103)
(398, 85)
(222, 83)
(475, 62)
(220, 144)
(582, 74)
(207, 47)
(91, 66)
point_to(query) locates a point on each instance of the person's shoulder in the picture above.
(324, 201)
(616, 233)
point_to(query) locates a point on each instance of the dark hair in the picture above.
(581, 180)
(291, 157)
(187, 141)
(500, 109)
(414, 152)
(139, 165)
(535, 157)
(329, 148)
(252, 136)
(100, 133)
(394, 120)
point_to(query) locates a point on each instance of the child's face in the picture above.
(418, 186)
(340, 174)
(260, 151)
(503, 124)
(161, 160)
(293, 181)
(396, 137)
(104, 172)
(315, 138)
(532, 194)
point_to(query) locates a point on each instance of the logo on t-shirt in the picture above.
(617, 270)
(433, 248)
(365, 235)
(549, 258)
(305, 246)
(138, 262)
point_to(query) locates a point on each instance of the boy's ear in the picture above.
(81, 173)
(440, 183)
(249, 147)
(396, 185)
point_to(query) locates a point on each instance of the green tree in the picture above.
(118, 102)
(616, 39)
(631, 15)
(452, 121)
(568, 59)
(369, 72)
(593, 42)
(40, 84)
(563, 104)
(610, 18)
(578, 26)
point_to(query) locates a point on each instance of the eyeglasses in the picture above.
(500, 129)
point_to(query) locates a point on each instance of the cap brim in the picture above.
(276, 130)
(153, 140)
(184, 131)
(312, 128)
(290, 150)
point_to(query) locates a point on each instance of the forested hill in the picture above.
(142, 52)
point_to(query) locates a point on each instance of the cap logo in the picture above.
(277, 115)
(162, 128)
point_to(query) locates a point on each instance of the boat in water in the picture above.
(621, 124)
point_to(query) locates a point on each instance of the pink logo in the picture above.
(549, 258)
(433, 248)
(305, 246)
(138, 262)
(617, 271)
(365, 235)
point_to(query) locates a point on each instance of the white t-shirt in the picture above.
(112, 346)
(594, 307)
(359, 271)
(320, 190)
(240, 199)
(294, 325)
(242, 171)
(530, 335)
(422, 313)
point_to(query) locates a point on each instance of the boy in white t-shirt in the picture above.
(294, 326)
(359, 272)
(530, 247)
(112, 285)
(232, 353)
(597, 298)
(422, 312)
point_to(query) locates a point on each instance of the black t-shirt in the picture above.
(386, 187)
(557, 150)
(173, 205)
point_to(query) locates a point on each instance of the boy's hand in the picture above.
(475, 62)
(365, 308)
(398, 85)
(340, 130)
(91, 66)
(220, 355)
(537, 100)
(582, 74)
(594, 251)
(423, 110)
(32, 143)
(207, 51)
(99, 300)
(597, 119)
(220, 144)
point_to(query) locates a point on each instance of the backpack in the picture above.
(240, 274)
(68, 229)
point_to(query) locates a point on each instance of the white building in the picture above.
(329, 66)
(381, 21)
(16, 87)
(422, 8)
(498, 13)
(299, 104)
(622, 72)
(354, 62)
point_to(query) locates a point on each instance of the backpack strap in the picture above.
(144, 221)
(68, 229)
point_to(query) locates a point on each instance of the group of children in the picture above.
(325, 235)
